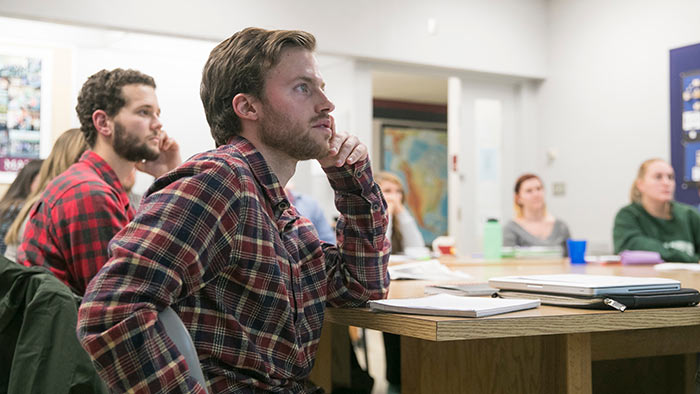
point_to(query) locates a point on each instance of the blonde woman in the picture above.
(403, 233)
(653, 221)
(533, 225)
(403, 230)
(66, 151)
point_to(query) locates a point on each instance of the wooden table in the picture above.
(543, 350)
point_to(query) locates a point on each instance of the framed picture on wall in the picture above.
(24, 108)
(418, 155)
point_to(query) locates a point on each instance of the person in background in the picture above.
(64, 153)
(403, 230)
(653, 221)
(533, 225)
(309, 208)
(217, 240)
(134, 198)
(84, 207)
(11, 203)
(403, 233)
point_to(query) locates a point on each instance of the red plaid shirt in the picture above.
(218, 240)
(70, 227)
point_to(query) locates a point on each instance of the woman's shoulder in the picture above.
(631, 209)
(682, 209)
(511, 224)
(560, 223)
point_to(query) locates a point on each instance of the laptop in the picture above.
(582, 284)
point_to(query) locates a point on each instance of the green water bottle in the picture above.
(493, 239)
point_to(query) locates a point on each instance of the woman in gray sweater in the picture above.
(533, 225)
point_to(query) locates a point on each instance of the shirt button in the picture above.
(283, 205)
(358, 174)
(375, 207)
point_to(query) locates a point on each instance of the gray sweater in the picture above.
(515, 235)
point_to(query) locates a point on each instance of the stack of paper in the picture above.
(533, 252)
(677, 267)
(425, 270)
(462, 289)
(450, 305)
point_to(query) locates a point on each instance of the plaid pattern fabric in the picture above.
(218, 240)
(70, 227)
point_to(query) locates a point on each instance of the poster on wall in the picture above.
(419, 157)
(24, 123)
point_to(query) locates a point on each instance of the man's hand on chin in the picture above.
(168, 159)
(344, 149)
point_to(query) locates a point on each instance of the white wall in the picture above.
(176, 64)
(605, 103)
(505, 36)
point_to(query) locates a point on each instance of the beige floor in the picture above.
(375, 344)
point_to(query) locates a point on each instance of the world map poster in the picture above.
(419, 157)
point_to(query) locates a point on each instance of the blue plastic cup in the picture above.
(577, 250)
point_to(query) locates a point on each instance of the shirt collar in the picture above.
(271, 186)
(100, 166)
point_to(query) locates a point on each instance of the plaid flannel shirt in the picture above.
(218, 241)
(70, 227)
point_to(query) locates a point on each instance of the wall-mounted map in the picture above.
(419, 157)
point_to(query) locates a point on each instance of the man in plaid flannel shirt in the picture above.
(218, 241)
(80, 211)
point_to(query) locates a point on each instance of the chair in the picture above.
(181, 338)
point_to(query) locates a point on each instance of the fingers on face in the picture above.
(351, 151)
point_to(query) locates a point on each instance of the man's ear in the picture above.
(102, 122)
(246, 106)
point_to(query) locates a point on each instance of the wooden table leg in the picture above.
(539, 364)
(332, 366)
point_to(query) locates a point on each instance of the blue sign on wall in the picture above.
(685, 121)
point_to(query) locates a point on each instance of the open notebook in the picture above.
(450, 305)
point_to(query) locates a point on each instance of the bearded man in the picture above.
(218, 240)
(69, 229)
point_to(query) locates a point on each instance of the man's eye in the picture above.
(304, 88)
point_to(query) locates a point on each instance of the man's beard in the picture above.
(129, 147)
(279, 132)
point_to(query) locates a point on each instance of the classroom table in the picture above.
(544, 350)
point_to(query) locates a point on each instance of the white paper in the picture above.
(677, 267)
(425, 270)
(450, 305)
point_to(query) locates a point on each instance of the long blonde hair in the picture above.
(635, 194)
(67, 150)
(396, 236)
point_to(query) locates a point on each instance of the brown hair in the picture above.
(516, 190)
(396, 236)
(103, 90)
(67, 150)
(239, 64)
(635, 194)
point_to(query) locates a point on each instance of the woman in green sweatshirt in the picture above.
(653, 221)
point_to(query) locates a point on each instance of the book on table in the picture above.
(451, 305)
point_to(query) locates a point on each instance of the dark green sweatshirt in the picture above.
(677, 239)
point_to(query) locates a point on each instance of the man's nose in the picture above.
(156, 124)
(325, 105)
